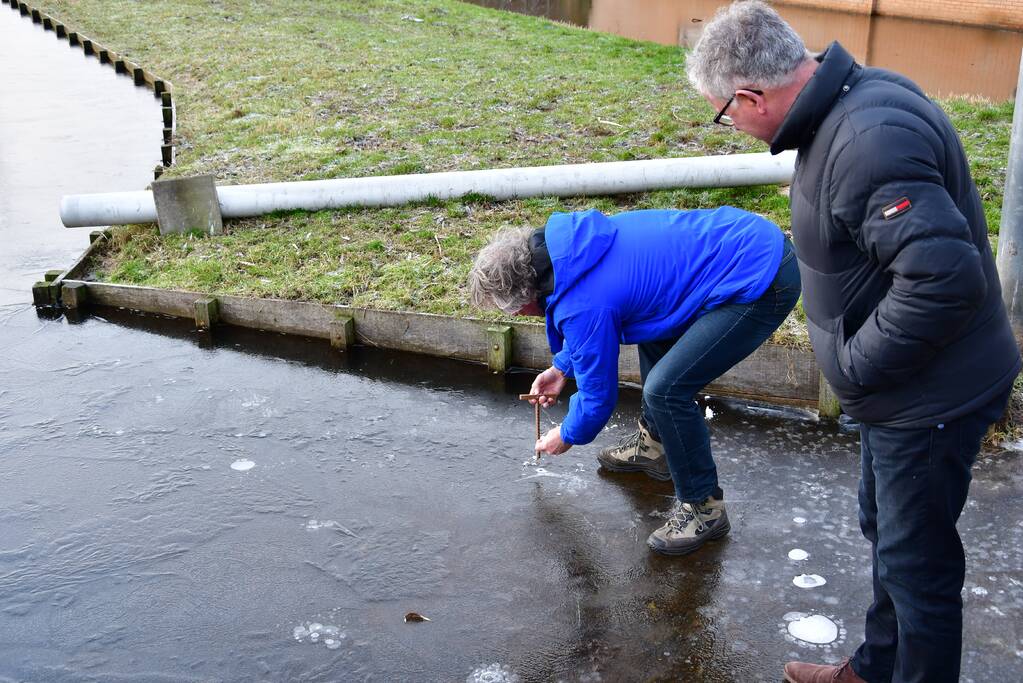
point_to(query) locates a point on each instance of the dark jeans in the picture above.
(913, 487)
(675, 370)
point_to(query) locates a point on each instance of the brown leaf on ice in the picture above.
(415, 616)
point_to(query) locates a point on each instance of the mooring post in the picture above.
(41, 294)
(207, 313)
(499, 348)
(1010, 231)
(342, 332)
(75, 295)
(827, 402)
(52, 275)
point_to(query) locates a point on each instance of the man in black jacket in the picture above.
(903, 307)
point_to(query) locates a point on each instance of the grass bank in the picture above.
(274, 91)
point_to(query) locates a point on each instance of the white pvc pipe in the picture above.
(239, 201)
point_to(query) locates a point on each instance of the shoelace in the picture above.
(847, 664)
(682, 514)
(628, 441)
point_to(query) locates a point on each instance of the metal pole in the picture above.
(1010, 232)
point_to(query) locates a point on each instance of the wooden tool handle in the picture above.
(529, 397)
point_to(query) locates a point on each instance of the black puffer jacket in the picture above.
(900, 289)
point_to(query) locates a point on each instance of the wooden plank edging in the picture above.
(774, 374)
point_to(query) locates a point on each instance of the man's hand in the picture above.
(551, 443)
(551, 381)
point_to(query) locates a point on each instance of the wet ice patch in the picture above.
(799, 520)
(798, 554)
(809, 581)
(570, 482)
(315, 633)
(815, 629)
(495, 673)
(242, 465)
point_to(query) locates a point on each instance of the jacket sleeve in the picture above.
(927, 251)
(592, 339)
(563, 361)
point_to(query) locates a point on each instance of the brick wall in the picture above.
(994, 13)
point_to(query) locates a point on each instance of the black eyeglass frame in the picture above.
(719, 119)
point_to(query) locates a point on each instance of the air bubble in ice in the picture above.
(495, 673)
(816, 629)
(808, 581)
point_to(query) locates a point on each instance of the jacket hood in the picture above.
(576, 242)
(816, 98)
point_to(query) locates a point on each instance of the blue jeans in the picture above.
(675, 370)
(913, 487)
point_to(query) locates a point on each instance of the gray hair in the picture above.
(745, 44)
(502, 275)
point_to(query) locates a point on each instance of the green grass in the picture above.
(309, 89)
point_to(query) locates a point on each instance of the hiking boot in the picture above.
(637, 452)
(798, 672)
(689, 526)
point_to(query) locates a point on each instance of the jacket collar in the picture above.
(540, 259)
(816, 99)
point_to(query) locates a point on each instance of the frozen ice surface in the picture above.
(495, 673)
(798, 554)
(816, 629)
(808, 581)
(242, 465)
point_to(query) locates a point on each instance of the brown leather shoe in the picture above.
(798, 672)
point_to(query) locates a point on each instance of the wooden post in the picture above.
(47, 24)
(140, 75)
(61, 30)
(104, 56)
(207, 313)
(168, 117)
(52, 275)
(165, 98)
(75, 295)
(41, 294)
(88, 47)
(167, 154)
(37, 18)
(158, 87)
(168, 134)
(72, 38)
(827, 404)
(499, 348)
(342, 333)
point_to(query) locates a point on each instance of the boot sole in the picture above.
(718, 533)
(632, 467)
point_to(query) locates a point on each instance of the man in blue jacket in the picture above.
(698, 291)
(903, 307)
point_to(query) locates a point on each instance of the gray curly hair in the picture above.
(745, 44)
(502, 276)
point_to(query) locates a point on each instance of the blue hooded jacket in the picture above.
(643, 276)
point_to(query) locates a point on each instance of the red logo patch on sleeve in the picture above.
(896, 208)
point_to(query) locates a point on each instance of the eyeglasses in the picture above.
(724, 119)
